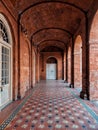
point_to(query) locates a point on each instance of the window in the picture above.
(5, 63)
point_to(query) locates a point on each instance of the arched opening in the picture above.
(51, 68)
(78, 62)
(5, 63)
(69, 65)
(93, 59)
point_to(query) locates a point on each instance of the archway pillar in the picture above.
(84, 94)
(19, 29)
(65, 60)
(37, 67)
(72, 63)
(85, 84)
(63, 67)
(31, 65)
(66, 63)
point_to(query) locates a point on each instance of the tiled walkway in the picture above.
(53, 106)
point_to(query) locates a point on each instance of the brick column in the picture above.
(72, 64)
(65, 65)
(38, 79)
(19, 28)
(85, 63)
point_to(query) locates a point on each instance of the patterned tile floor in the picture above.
(52, 106)
(91, 104)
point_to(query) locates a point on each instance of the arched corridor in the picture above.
(50, 49)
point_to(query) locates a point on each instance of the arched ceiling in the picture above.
(51, 33)
(51, 49)
(51, 21)
(48, 43)
(52, 14)
(21, 5)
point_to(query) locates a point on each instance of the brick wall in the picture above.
(93, 57)
(24, 65)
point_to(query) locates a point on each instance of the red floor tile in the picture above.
(53, 106)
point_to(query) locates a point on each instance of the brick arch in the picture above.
(93, 58)
(94, 30)
(66, 3)
(78, 62)
(50, 33)
(51, 57)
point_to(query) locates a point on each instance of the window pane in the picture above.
(5, 66)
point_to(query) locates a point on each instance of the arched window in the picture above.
(5, 63)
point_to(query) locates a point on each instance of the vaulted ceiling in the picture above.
(51, 22)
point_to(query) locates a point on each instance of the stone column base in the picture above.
(84, 96)
(71, 86)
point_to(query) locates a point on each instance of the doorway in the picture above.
(51, 69)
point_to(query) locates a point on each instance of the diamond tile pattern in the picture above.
(52, 106)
